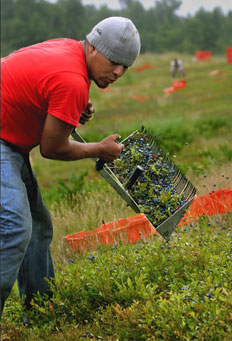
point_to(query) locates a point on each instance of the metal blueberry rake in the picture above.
(180, 184)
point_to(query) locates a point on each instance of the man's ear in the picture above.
(91, 49)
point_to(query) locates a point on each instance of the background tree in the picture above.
(26, 22)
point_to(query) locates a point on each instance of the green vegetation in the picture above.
(147, 291)
(180, 290)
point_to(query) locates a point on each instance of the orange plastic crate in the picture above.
(229, 55)
(128, 230)
(217, 202)
(179, 84)
(203, 55)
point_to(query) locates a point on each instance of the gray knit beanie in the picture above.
(117, 39)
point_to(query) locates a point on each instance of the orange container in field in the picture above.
(203, 55)
(128, 230)
(139, 227)
(217, 202)
(143, 67)
(229, 55)
(108, 233)
(176, 85)
(169, 90)
(179, 84)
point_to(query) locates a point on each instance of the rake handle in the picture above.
(137, 172)
(99, 164)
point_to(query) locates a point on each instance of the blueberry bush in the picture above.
(181, 290)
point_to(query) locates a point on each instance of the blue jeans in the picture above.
(26, 229)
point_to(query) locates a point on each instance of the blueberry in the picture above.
(209, 294)
(70, 260)
(91, 258)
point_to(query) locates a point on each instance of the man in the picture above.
(45, 94)
(175, 66)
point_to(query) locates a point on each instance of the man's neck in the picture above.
(84, 46)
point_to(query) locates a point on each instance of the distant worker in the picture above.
(175, 66)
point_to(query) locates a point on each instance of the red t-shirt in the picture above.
(49, 77)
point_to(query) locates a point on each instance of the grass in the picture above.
(152, 290)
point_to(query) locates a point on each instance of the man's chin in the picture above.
(101, 85)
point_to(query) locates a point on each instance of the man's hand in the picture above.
(87, 113)
(110, 149)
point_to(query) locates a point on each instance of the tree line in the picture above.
(26, 22)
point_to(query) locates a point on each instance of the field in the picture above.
(152, 290)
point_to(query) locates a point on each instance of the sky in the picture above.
(187, 7)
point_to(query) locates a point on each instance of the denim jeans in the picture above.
(26, 230)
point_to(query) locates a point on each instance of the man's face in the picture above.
(101, 70)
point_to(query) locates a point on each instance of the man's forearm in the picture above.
(73, 150)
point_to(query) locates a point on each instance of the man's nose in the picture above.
(119, 70)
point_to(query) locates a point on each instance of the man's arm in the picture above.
(55, 144)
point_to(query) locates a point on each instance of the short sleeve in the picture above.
(67, 96)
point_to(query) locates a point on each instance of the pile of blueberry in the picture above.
(153, 191)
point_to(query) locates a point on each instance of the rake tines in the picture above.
(180, 182)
